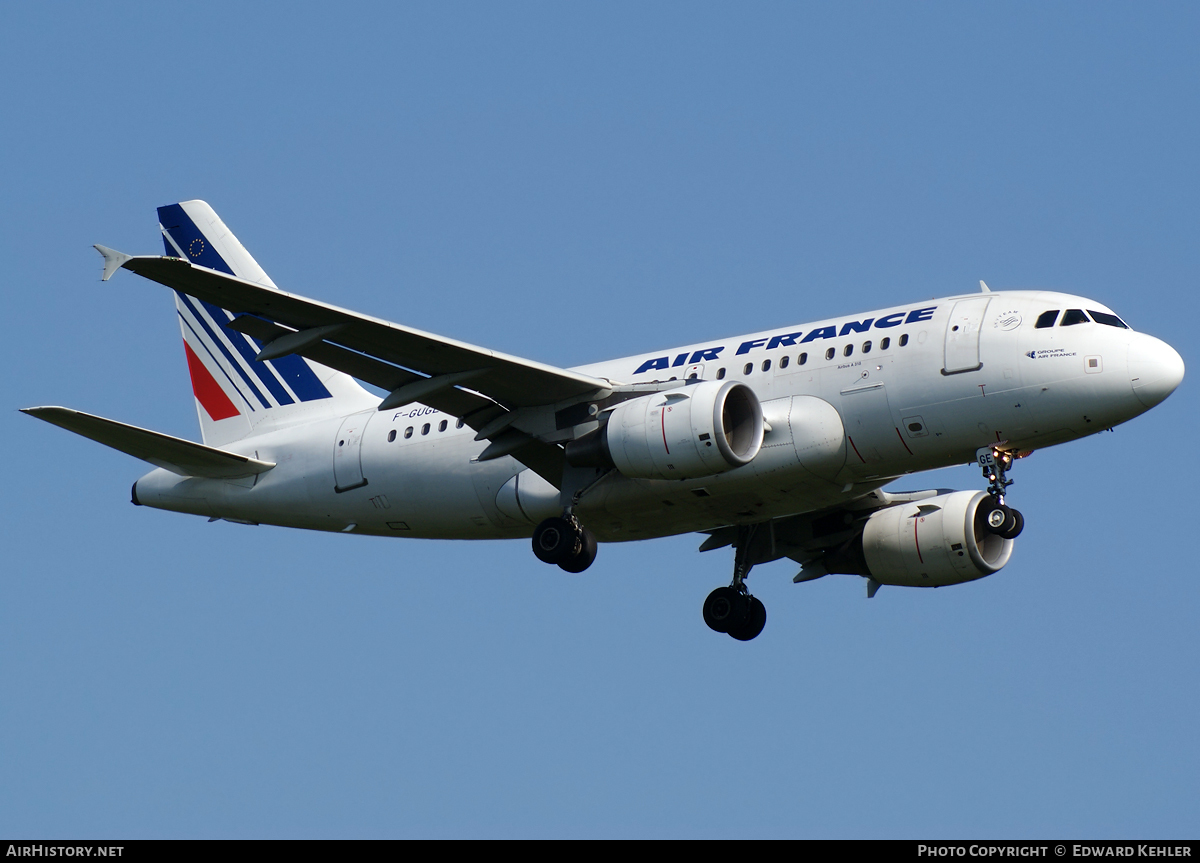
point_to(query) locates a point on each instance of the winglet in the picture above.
(983, 288)
(112, 260)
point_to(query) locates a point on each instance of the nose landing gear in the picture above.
(998, 518)
(732, 610)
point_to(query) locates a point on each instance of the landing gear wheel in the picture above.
(998, 517)
(755, 621)
(1014, 530)
(582, 559)
(726, 609)
(554, 540)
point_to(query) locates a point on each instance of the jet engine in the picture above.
(932, 542)
(693, 431)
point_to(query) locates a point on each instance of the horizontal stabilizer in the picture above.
(174, 454)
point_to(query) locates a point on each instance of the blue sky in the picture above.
(571, 183)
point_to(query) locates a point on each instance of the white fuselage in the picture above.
(956, 374)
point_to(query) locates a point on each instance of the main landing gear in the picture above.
(732, 609)
(562, 540)
(566, 542)
(998, 518)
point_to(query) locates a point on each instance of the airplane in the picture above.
(777, 443)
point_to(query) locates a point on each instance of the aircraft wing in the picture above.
(175, 454)
(508, 381)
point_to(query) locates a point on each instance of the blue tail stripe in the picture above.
(293, 369)
(208, 351)
(190, 238)
(238, 340)
(220, 344)
(199, 250)
(301, 378)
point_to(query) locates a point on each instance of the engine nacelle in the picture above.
(693, 431)
(932, 542)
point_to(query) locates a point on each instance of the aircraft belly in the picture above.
(422, 487)
(623, 509)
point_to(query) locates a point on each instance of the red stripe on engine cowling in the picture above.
(208, 392)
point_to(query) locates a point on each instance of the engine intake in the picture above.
(694, 431)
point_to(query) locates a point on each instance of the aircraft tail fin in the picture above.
(236, 395)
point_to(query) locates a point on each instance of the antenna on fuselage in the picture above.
(983, 288)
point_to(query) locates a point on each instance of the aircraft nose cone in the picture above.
(1155, 369)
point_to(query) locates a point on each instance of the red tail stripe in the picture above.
(208, 392)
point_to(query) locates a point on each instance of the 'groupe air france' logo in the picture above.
(196, 248)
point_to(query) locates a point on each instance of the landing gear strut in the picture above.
(732, 609)
(998, 518)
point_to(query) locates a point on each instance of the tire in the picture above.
(998, 518)
(584, 557)
(725, 609)
(755, 621)
(1018, 525)
(554, 540)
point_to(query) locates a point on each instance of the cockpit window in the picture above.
(1046, 319)
(1107, 319)
(1074, 316)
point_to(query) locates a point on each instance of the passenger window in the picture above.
(848, 350)
(720, 374)
(408, 432)
(904, 340)
(1046, 319)
(866, 348)
(391, 435)
(442, 425)
(802, 359)
(1074, 316)
(783, 362)
(749, 368)
(766, 365)
(1107, 319)
(829, 353)
(425, 429)
(884, 344)
(459, 424)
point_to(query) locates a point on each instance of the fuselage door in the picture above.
(962, 335)
(347, 452)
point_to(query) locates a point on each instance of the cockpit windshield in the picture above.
(1076, 316)
(1109, 320)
